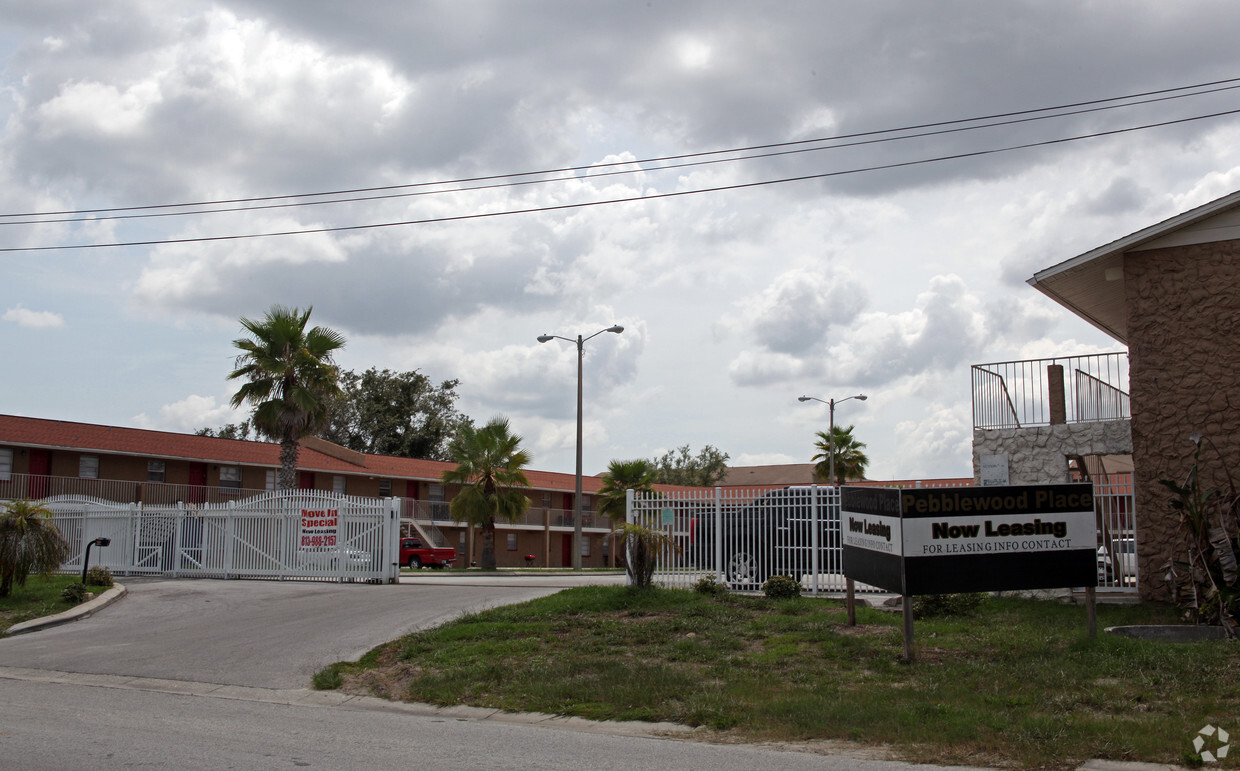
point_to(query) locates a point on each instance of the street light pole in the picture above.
(831, 426)
(581, 352)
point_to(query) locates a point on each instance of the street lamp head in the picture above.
(545, 338)
(861, 397)
(615, 328)
(804, 398)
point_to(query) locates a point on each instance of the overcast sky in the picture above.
(890, 282)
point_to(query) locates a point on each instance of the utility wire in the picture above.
(585, 204)
(669, 166)
(662, 159)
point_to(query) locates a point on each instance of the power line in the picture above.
(1225, 84)
(633, 199)
(627, 171)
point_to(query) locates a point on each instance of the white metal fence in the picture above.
(743, 537)
(303, 535)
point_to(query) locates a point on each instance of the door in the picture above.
(197, 483)
(566, 550)
(305, 480)
(40, 473)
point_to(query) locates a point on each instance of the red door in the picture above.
(197, 483)
(566, 550)
(305, 480)
(40, 471)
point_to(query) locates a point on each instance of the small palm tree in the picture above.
(621, 476)
(291, 379)
(646, 545)
(491, 472)
(29, 543)
(850, 461)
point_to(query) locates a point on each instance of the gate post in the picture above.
(177, 541)
(391, 555)
(719, 573)
(815, 518)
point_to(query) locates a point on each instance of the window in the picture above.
(585, 546)
(230, 478)
(88, 467)
(155, 471)
(6, 465)
(271, 481)
(512, 542)
(546, 500)
(606, 550)
(338, 484)
(385, 488)
(462, 540)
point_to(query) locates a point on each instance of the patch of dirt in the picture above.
(390, 679)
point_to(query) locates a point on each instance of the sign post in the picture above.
(969, 539)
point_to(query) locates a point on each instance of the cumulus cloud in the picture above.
(37, 319)
(192, 412)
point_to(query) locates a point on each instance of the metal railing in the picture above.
(438, 513)
(1042, 392)
(35, 486)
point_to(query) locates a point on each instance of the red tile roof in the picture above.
(64, 435)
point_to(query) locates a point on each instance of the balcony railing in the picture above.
(1043, 392)
(36, 487)
(437, 513)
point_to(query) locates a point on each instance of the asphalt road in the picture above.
(214, 674)
(270, 634)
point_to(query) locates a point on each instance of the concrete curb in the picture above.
(85, 610)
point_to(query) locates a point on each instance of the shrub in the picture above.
(709, 584)
(74, 593)
(29, 543)
(938, 605)
(781, 587)
(99, 576)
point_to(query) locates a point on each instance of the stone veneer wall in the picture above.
(1038, 455)
(1184, 354)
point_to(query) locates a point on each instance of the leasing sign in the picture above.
(968, 539)
(319, 528)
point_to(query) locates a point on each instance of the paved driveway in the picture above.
(260, 633)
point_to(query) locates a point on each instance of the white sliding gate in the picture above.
(304, 535)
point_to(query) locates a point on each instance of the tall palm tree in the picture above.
(623, 475)
(290, 377)
(850, 461)
(29, 543)
(491, 472)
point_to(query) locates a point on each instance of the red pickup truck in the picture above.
(414, 554)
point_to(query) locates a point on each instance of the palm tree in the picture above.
(490, 470)
(850, 461)
(291, 379)
(29, 543)
(622, 475)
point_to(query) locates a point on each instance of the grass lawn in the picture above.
(1018, 683)
(39, 597)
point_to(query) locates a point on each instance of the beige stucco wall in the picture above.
(1184, 349)
(1038, 455)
